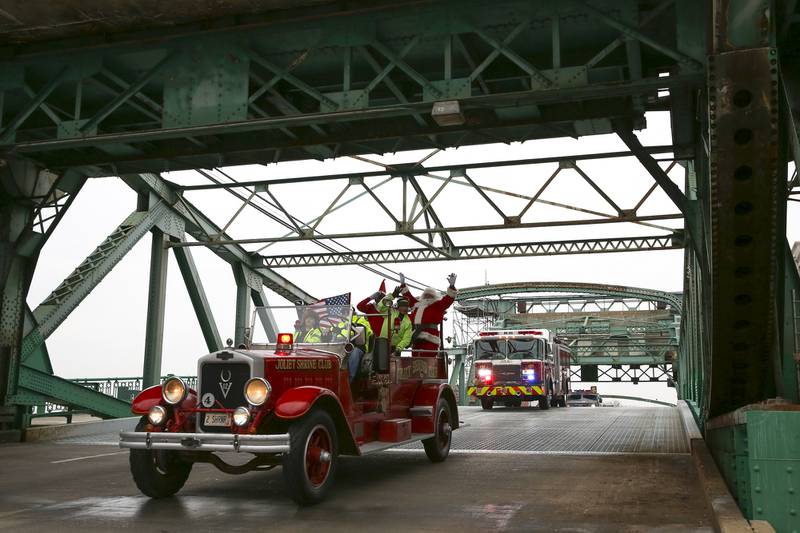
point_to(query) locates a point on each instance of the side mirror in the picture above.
(380, 355)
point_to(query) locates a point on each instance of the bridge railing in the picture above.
(122, 388)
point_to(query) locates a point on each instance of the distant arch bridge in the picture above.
(590, 289)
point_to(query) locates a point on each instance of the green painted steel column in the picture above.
(197, 295)
(15, 277)
(154, 333)
(242, 305)
(18, 182)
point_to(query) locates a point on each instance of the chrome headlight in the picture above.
(257, 391)
(157, 415)
(241, 416)
(174, 390)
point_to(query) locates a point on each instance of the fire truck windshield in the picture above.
(517, 348)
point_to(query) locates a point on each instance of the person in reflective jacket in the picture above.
(398, 322)
(342, 330)
(309, 330)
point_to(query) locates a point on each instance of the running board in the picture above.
(379, 446)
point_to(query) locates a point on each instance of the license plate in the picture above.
(218, 419)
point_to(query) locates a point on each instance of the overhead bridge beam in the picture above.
(586, 246)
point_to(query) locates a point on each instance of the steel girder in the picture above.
(357, 81)
(410, 213)
(32, 202)
(36, 387)
(530, 249)
(156, 309)
(200, 227)
(197, 295)
(601, 290)
(77, 286)
(600, 372)
(747, 185)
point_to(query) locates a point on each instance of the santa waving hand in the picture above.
(427, 314)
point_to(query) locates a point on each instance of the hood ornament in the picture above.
(225, 382)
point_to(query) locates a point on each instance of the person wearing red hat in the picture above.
(369, 306)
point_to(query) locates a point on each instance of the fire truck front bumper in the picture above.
(204, 442)
(506, 390)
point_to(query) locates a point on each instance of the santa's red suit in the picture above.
(375, 317)
(426, 315)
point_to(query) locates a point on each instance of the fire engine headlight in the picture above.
(241, 416)
(174, 391)
(257, 391)
(157, 415)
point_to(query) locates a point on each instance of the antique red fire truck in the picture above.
(513, 366)
(290, 404)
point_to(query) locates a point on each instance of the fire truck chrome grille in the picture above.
(506, 373)
(222, 387)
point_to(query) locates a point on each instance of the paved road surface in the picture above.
(610, 469)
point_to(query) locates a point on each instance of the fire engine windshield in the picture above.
(518, 348)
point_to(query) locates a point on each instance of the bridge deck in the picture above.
(614, 469)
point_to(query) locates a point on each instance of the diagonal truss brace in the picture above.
(659, 175)
(71, 292)
(199, 226)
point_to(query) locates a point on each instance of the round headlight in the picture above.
(157, 415)
(241, 416)
(174, 391)
(257, 391)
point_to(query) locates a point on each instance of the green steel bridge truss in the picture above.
(318, 80)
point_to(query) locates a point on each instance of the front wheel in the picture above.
(544, 403)
(310, 466)
(487, 404)
(437, 447)
(157, 473)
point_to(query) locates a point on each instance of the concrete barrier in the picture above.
(80, 429)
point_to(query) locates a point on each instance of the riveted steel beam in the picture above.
(156, 307)
(200, 227)
(483, 291)
(194, 286)
(588, 246)
(77, 286)
(747, 208)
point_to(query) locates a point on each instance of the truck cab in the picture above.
(512, 366)
(291, 404)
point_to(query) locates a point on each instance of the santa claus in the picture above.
(427, 314)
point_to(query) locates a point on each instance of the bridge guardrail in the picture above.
(122, 388)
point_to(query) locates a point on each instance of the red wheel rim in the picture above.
(319, 454)
(444, 429)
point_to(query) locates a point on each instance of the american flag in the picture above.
(332, 310)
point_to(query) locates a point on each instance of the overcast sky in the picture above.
(104, 336)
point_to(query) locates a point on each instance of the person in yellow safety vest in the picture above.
(309, 330)
(341, 330)
(399, 323)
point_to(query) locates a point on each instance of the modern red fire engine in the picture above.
(290, 404)
(513, 366)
